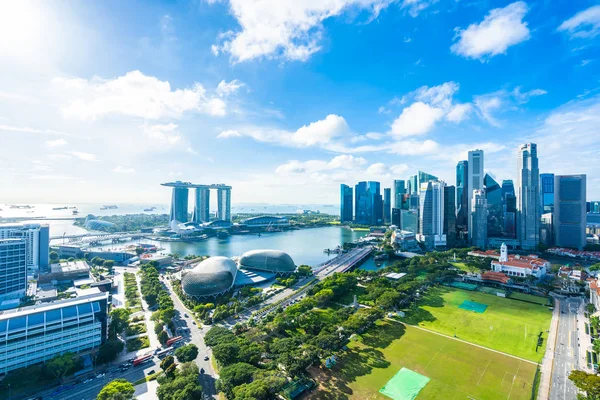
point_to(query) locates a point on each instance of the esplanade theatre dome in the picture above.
(273, 261)
(211, 277)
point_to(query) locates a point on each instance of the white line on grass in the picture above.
(483, 373)
(513, 382)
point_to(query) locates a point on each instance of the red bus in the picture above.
(174, 339)
(142, 359)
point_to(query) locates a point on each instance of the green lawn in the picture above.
(507, 325)
(457, 370)
(529, 297)
(461, 265)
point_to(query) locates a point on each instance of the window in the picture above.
(84, 309)
(17, 323)
(69, 312)
(35, 320)
(53, 316)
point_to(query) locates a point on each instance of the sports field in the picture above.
(456, 370)
(506, 325)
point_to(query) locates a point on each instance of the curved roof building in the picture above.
(273, 261)
(211, 277)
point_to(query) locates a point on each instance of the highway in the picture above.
(566, 353)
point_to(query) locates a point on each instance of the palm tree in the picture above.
(590, 308)
(595, 322)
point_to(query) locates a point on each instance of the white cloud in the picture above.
(523, 97)
(459, 112)
(123, 170)
(228, 133)
(417, 119)
(288, 29)
(486, 105)
(584, 24)
(414, 7)
(56, 143)
(84, 156)
(162, 136)
(26, 129)
(439, 96)
(500, 29)
(228, 88)
(136, 95)
(344, 161)
(415, 147)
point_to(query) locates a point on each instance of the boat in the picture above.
(150, 209)
(60, 208)
(109, 207)
(25, 207)
(75, 212)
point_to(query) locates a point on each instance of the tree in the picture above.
(119, 321)
(53, 256)
(256, 390)
(588, 383)
(187, 353)
(323, 296)
(595, 267)
(226, 353)
(109, 351)
(167, 362)
(163, 336)
(234, 375)
(389, 299)
(181, 385)
(595, 322)
(109, 265)
(119, 389)
(590, 308)
(97, 261)
(60, 365)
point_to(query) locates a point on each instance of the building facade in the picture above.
(201, 206)
(520, 266)
(399, 192)
(397, 217)
(569, 211)
(409, 220)
(201, 214)
(495, 207)
(387, 205)
(547, 184)
(345, 203)
(478, 232)
(475, 176)
(361, 214)
(509, 201)
(528, 197)
(431, 215)
(37, 243)
(35, 334)
(462, 195)
(13, 269)
(450, 215)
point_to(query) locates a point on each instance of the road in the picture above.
(566, 353)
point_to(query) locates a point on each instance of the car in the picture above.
(150, 372)
(201, 370)
(100, 376)
(194, 322)
(185, 315)
(88, 380)
(206, 358)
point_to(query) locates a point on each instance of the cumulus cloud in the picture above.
(288, 29)
(225, 89)
(584, 24)
(459, 112)
(162, 136)
(135, 95)
(487, 105)
(417, 119)
(414, 7)
(56, 143)
(228, 134)
(500, 29)
(344, 161)
(414, 147)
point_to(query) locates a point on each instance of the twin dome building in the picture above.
(217, 275)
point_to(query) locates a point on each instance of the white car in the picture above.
(100, 376)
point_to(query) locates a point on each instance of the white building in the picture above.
(13, 269)
(405, 240)
(37, 241)
(431, 220)
(520, 266)
(35, 334)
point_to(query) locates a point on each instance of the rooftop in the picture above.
(53, 305)
(70, 266)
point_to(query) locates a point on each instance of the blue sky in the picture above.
(284, 100)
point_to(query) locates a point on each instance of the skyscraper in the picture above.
(431, 215)
(424, 177)
(474, 179)
(345, 203)
(201, 206)
(413, 184)
(13, 268)
(495, 207)
(547, 181)
(450, 215)
(387, 205)
(399, 191)
(462, 195)
(569, 211)
(528, 197)
(224, 204)
(479, 223)
(397, 217)
(179, 204)
(374, 203)
(409, 220)
(37, 243)
(510, 208)
(361, 214)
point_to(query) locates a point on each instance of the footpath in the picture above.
(548, 360)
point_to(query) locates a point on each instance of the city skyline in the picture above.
(180, 93)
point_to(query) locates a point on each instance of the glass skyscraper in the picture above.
(495, 207)
(13, 268)
(479, 223)
(431, 214)
(510, 208)
(413, 184)
(528, 197)
(374, 203)
(361, 213)
(399, 191)
(569, 212)
(450, 215)
(474, 179)
(345, 203)
(179, 204)
(387, 205)
(462, 195)
(547, 181)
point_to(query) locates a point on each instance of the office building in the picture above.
(478, 232)
(474, 179)
(413, 201)
(361, 215)
(345, 203)
(224, 203)
(450, 215)
(201, 206)
(528, 197)
(37, 243)
(374, 203)
(495, 207)
(547, 182)
(413, 184)
(409, 220)
(179, 204)
(397, 217)
(421, 178)
(35, 334)
(509, 200)
(431, 214)
(13, 269)
(387, 205)
(399, 192)
(547, 229)
(569, 211)
(593, 207)
(462, 195)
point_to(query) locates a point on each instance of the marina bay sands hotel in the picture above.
(201, 214)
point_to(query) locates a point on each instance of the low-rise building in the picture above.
(572, 273)
(67, 271)
(520, 266)
(405, 240)
(35, 334)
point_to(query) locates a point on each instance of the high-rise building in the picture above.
(479, 223)
(424, 177)
(35, 334)
(361, 212)
(547, 181)
(462, 195)
(201, 206)
(345, 203)
(431, 214)
(397, 217)
(13, 268)
(409, 220)
(387, 205)
(495, 207)
(509, 200)
(37, 243)
(528, 197)
(399, 192)
(224, 204)
(413, 184)
(474, 178)
(594, 207)
(450, 215)
(374, 203)
(179, 204)
(569, 211)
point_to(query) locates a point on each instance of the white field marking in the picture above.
(486, 367)
(513, 382)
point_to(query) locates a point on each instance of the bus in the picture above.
(173, 340)
(142, 359)
(164, 353)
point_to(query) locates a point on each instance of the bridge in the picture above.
(344, 262)
(86, 238)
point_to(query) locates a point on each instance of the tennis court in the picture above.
(405, 385)
(473, 306)
(463, 285)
